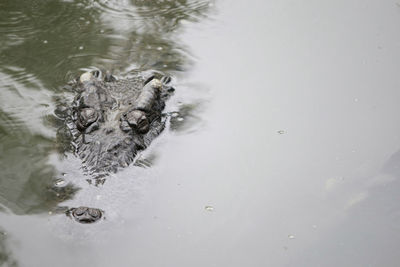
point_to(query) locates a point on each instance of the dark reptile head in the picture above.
(114, 119)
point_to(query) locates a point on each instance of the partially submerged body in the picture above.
(112, 120)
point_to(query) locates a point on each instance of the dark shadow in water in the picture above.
(27, 180)
(6, 257)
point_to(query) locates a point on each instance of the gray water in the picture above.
(285, 152)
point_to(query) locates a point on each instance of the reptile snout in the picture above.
(86, 215)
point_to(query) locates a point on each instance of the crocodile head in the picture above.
(111, 120)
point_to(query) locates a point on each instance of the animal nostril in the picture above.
(95, 213)
(80, 211)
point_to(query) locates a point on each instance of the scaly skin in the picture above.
(111, 120)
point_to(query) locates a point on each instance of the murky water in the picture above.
(284, 150)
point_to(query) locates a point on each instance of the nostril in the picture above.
(86, 215)
(95, 213)
(138, 121)
(80, 211)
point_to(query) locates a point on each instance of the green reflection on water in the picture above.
(26, 184)
(52, 38)
(42, 44)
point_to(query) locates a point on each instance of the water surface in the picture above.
(284, 152)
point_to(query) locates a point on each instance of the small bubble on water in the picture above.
(165, 65)
(101, 31)
(174, 114)
(50, 212)
(179, 119)
(281, 132)
(291, 236)
(209, 208)
(59, 182)
(159, 48)
(45, 41)
(81, 47)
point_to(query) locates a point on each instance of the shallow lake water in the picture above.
(284, 149)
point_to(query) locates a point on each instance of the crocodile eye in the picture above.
(138, 121)
(87, 116)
